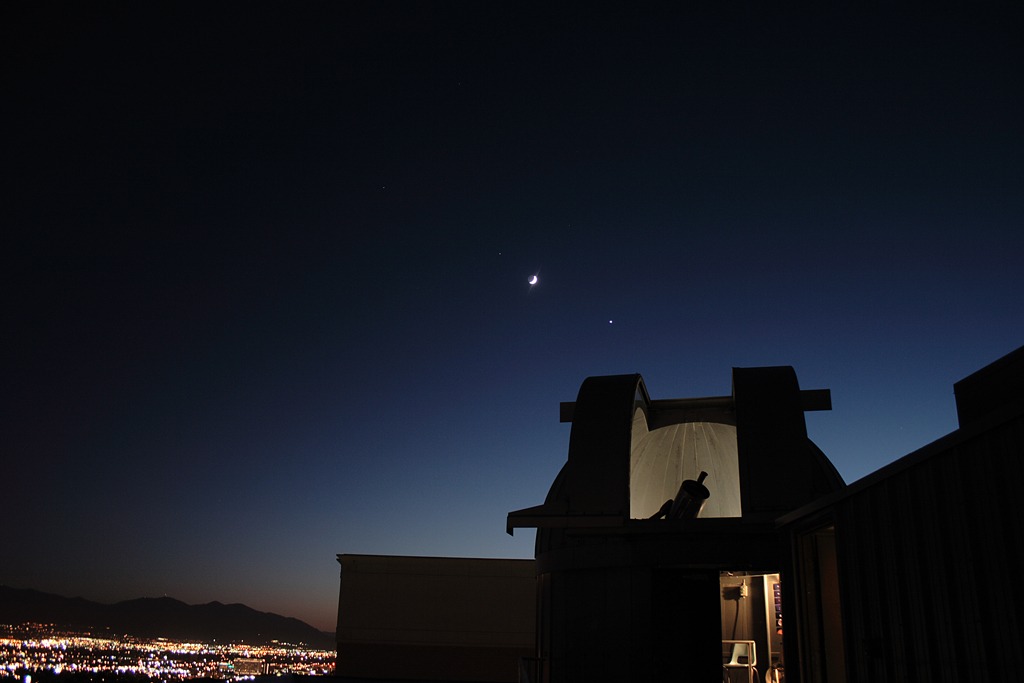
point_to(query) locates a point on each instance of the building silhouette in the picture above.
(434, 618)
(709, 539)
(629, 587)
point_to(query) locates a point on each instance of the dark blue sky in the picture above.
(266, 267)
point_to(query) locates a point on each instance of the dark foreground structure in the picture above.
(637, 561)
(709, 539)
(434, 618)
(914, 572)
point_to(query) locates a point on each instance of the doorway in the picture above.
(751, 604)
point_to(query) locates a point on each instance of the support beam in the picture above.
(810, 400)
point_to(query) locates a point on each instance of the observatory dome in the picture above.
(662, 458)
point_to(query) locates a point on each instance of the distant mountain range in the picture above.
(159, 618)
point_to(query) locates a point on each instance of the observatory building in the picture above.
(663, 520)
(708, 539)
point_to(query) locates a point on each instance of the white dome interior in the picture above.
(662, 459)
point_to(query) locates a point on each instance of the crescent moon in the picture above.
(533, 280)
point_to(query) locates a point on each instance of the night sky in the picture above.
(265, 267)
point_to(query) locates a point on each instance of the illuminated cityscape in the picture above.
(38, 651)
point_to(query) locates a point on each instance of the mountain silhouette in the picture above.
(159, 618)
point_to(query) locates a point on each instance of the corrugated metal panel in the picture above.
(930, 566)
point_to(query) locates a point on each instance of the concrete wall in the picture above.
(429, 618)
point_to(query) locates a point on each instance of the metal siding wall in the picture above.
(999, 542)
(930, 566)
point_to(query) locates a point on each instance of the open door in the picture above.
(820, 634)
(751, 605)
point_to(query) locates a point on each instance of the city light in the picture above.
(31, 648)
